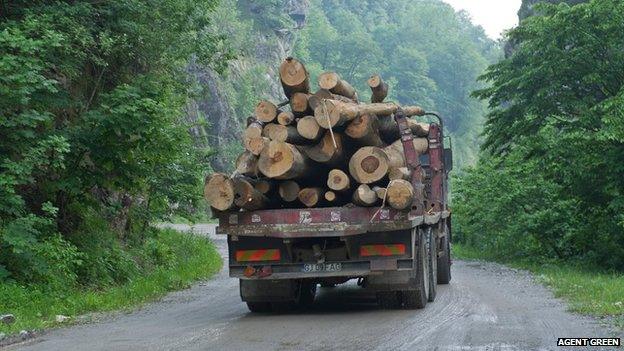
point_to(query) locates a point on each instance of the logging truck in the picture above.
(331, 189)
(282, 255)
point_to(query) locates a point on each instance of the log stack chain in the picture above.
(320, 149)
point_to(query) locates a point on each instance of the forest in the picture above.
(113, 112)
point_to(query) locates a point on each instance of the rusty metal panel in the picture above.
(385, 264)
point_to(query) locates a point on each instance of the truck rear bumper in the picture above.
(348, 269)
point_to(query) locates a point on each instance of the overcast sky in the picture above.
(493, 15)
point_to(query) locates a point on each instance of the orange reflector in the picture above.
(382, 250)
(258, 255)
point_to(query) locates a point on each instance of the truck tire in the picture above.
(444, 261)
(259, 307)
(389, 300)
(418, 298)
(432, 247)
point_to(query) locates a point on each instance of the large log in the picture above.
(299, 104)
(312, 197)
(280, 160)
(338, 180)
(266, 111)
(247, 164)
(283, 133)
(364, 131)
(389, 130)
(333, 113)
(255, 145)
(364, 196)
(285, 118)
(326, 152)
(309, 128)
(294, 77)
(369, 165)
(315, 99)
(246, 196)
(331, 81)
(400, 194)
(219, 191)
(399, 173)
(379, 88)
(264, 186)
(289, 190)
(381, 192)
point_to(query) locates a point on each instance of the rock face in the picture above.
(222, 109)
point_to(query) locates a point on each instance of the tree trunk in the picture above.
(389, 130)
(311, 197)
(246, 196)
(379, 88)
(256, 145)
(400, 194)
(364, 131)
(338, 180)
(315, 99)
(294, 77)
(332, 82)
(364, 196)
(369, 165)
(247, 164)
(266, 111)
(289, 190)
(333, 113)
(381, 192)
(285, 118)
(219, 191)
(264, 186)
(325, 151)
(280, 160)
(287, 134)
(299, 104)
(399, 173)
(309, 129)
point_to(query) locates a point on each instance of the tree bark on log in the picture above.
(325, 151)
(400, 194)
(338, 180)
(285, 118)
(315, 99)
(299, 104)
(289, 190)
(280, 160)
(309, 128)
(294, 77)
(333, 113)
(283, 133)
(311, 197)
(364, 196)
(219, 191)
(266, 111)
(256, 145)
(247, 164)
(246, 196)
(331, 81)
(379, 88)
(389, 130)
(369, 165)
(364, 131)
(381, 192)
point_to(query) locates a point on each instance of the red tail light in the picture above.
(258, 255)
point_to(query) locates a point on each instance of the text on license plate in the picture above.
(322, 267)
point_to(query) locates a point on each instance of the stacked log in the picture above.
(321, 149)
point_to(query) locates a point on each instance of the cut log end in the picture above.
(309, 128)
(289, 190)
(368, 165)
(364, 196)
(265, 111)
(400, 194)
(311, 197)
(338, 180)
(281, 160)
(219, 192)
(247, 164)
(285, 118)
(294, 77)
(330, 196)
(379, 88)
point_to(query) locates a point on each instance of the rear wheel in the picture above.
(418, 298)
(259, 307)
(432, 254)
(444, 261)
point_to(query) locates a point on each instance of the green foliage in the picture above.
(550, 181)
(429, 54)
(168, 260)
(93, 143)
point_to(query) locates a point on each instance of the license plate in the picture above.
(322, 267)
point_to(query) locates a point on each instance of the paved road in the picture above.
(486, 307)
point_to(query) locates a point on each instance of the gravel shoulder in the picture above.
(487, 306)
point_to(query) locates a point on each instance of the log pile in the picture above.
(321, 148)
